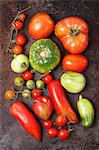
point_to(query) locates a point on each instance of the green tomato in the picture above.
(30, 84)
(86, 111)
(19, 81)
(26, 94)
(39, 84)
(73, 82)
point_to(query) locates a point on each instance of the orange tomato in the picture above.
(9, 94)
(17, 50)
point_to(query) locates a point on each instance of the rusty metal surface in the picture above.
(12, 136)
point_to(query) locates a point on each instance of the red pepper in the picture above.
(26, 119)
(60, 101)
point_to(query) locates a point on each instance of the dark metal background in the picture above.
(12, 136)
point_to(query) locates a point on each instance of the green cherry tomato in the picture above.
(39, 84)
(86, 111)
(30, 84)
(26, 94)
(19, 81)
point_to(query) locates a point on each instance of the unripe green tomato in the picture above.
(39, 84)
(73, 82)
(30, 84)
(19, 81)
(26, 94)
(86, 111)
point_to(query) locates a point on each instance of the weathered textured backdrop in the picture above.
(12, 136)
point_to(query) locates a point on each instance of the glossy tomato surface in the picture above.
(52, 132)
(20, 39)
(27, 75)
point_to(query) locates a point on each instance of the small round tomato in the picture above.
(47, 124)
(9, 94)
(77, 63)
(19, 81)
(22, 16)
(47, 78)
(27, 75)
(40, 26)
(20, 39)
(36, 93)
(61, 120)
(30, 84)
(17, 50)
(63, 134)
(18, 24)
(39, 84)
(26, 94)
(52, 132)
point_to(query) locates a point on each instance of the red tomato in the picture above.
(36, 93)
(9, 94)
(20, 39)
(17, 50)
(52, 132)
(47, 78)
(77, 63)
(18, 24)
(22, 16)
(27, 75)
(61, 120)
(73, 33)
(63, 134)
(40, 26)
(47, 124)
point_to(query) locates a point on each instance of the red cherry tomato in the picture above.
(47, 124)
(17, 50)
(77, 63)
(27, 75)
(22, 16)
(18, 24)
(61, 120)
(52, 132)
(63, 134)
(36, 93)
(20, 39)
(47, 78)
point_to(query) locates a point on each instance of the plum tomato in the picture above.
(36, 93)
(9, 94)
(47, 78)
(63, 134)
(18, 24)
(61, 120)
(52, 132)
(27, 75)
(20, 39)
(47, 124)
(17, 50)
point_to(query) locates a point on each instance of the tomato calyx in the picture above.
(23, 65)
(74, 32)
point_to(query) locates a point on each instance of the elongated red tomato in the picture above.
(26, 119)
(77, 63)
(60, 101)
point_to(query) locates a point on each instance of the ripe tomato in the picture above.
(47, 124)
(20, 39)
(18, 24)
(27, 75)
(47, 78)
(36, 93)
(17, 50)
(63, 134)
(77, 63)
(22, 16)
(73, 33)
(40, 26)
(52, 132)
(61, 120)
(9, 94)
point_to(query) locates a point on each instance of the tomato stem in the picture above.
(74, 32)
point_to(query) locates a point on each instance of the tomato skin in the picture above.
(26, 119)
(61, 120)
(17, 50)
(63, 134)
(20, 39)
(40, 26)
(27, 75)
(18, 24)
(47, 124)
(77, 63)
(36, 93)
(47, 78)
(22, 16)
(52, 132)
(60, 101)
(9, 94)
(73, 43)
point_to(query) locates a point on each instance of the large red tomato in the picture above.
(40, 26)
(73, 33)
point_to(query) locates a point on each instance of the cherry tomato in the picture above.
(39, 84)
(27, 75)
(19, 81)
(18, 24)
(40, 26)
(20, 39)
(9, 94)
(17, 50)
(61, 120)
(63, 134)
(22, 16)
(36, 93)
(26, 94)
(77, 63)
(47, 78)
(52, 132)
(47, 124)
